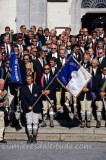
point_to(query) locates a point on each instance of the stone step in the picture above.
(59, 137)
(64, 130)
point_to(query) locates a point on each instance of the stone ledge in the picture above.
(60, 137)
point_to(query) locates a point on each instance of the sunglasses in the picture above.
(99, 52)
(46, 68)
(53, 48)
(2, 48)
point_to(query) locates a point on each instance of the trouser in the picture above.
(32, 123)
(68, 100)
(99, 105)
(75, 105)
(47, 106)
(11, 100)
(1, 124)
(86, 109)
(14, 118)
(58, 100)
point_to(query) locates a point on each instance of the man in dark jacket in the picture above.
(29, 95)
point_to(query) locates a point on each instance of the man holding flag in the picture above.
(15, 82)
(74, 78)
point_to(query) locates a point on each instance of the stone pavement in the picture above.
(64, 130)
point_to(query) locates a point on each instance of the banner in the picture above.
(15, 75)
(73, 77)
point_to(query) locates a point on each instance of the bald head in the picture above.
(94, 63)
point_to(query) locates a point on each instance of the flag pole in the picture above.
(50, 82)
(46, 88)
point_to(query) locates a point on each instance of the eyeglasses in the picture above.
(82, 43)
(2, 48)
(40, 30)
(68, 46)
(24, 28)
(46, 68)
(20, 40)
(7, 63)
(53, 48)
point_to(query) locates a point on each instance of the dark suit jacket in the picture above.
(98, 71)
(103, 62)
(28, 98)
(50, 56)
(26, 38)
(85, 65)
(99, 83)
(39, 70)
(2, 71)
(2, 37)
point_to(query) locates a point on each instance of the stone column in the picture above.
(38, 13)
(31, 12)
(22, 13)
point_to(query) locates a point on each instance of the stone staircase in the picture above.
(64, 130)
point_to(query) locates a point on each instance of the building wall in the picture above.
(7, 14)
(58, 14)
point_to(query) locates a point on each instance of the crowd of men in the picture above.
(40, 54)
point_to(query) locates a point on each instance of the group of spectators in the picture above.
(40, 54)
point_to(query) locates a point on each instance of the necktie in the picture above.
(30, 87)
(47, 79)
(104, 77)
(7, 49)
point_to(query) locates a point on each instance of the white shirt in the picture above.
(100, 59)
(94, 70)
(41, 61)
(103, 76)
(63, 61)
(55, 55)
(47, 76)
(9, 48)
(30, 87)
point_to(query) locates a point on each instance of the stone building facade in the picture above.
(52, 13)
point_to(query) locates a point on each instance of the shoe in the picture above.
(34, 140)
(3, 141)
(98, 124)
(43, 124)
(82, 124)
(51, 124)
(30, 140)
(88, 125)
(18, 128)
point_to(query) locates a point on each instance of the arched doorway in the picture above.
(89, 9)
(94, 20)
